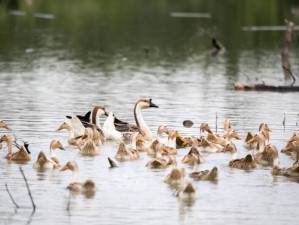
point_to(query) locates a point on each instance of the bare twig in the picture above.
(112, 163)
(284, 121)
(29, 192)
(13, 201)
(69, 201)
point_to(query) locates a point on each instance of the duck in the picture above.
(192, 156)
(141, 144)
(174, 178)
(204, 127)
(20, 156)
(260, 139)
(4, 125)
(223, 141)
(182, 142)
(141, 125)
(265, 131)
(172, 136)
(72, 139)
(251, 145)
(246, 163)
(126, 154)
(109, 129)
(53, 147)
(43, 163)
(87, 147)
(88, 187)
(159, 162)
(226, 127)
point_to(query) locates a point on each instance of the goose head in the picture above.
(6, 138)
(97, 112)
(273, 152)
(71, 165)
(56, 145)
(145, 103)
(231, 148)
(64, 125)
(42, 159)
(227, 125)
(162, 129)
(214, 173)
(3, 125)
(233, 134)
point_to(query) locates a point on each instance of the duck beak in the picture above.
(6, 127)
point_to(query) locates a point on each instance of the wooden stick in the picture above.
(284, 121)
(29, 192)
(13, 201)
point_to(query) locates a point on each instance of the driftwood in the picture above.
(264, 87)
(286, 66)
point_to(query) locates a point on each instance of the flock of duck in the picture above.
(87, 135)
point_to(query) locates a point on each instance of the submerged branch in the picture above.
(13, 201)
(29, 192)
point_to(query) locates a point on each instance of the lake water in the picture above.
(50, 68)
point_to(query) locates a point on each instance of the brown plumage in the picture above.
(211, 175)
(126, 154)
(246, 163)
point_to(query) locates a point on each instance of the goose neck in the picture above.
(141, 123)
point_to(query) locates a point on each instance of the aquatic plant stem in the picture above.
(29, 192)
(13, 201)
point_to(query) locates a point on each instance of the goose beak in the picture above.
(6, 127)
(64, 168)
(152, 105)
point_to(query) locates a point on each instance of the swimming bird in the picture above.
(192, 156)
(72, 139)
(43, 163)
(88, 147)
(243, 163)
(292, 142)
(162, 129)
(175, 176)
(109, 129)
(126, 154)
(53, 147)
(88, 187)
(267, 157)
(22, 155)
(211, 175)
(141, 125)
(159, 162)
(186, 192)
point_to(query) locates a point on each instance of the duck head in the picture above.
(63, 126)
(162, 129)
(42, 159)
(214, 173)
(234, 134)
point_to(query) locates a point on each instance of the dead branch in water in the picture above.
(69, 201)
(216, 121)
(29, 192)
(13, 201)
(112, 163)
(285, 61)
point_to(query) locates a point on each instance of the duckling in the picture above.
(3, 125)
(175, 176)
(159, 162)
(243, 163)
(125, 154)
(89, 148)
(88, 187)
(72, 140)
(53, 146)
(192, 156)
(109, 129)
(43, 163)
(20, 156)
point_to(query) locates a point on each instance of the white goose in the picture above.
(109, 129)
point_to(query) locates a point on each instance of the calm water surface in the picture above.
(45, 80)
